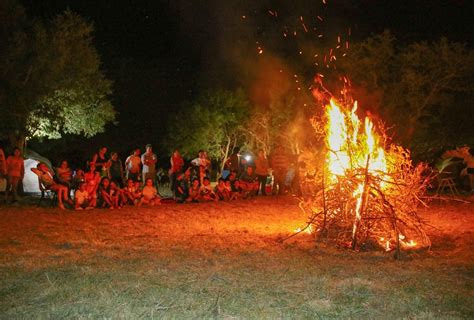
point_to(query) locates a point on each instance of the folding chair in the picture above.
(47, 193)
(446, 183)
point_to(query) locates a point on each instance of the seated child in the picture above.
(236, 190)
(82, 199)
(149, 194)
(104, 194)
(129, 193)
(92, 178)
(222, 192)
(193, 194)
(181, 188)
(116, 195)
(206, 193)
(232, 195)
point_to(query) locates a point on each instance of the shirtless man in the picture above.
(15, 173)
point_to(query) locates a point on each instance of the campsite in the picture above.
(224, 261)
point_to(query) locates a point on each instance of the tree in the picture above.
(51, 78)
(415, 84)
(213, 123)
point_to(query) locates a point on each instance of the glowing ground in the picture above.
(223, 261)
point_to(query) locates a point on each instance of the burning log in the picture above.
(367, 193)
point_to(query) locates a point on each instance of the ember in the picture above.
(367, 193)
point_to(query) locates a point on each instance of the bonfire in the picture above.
(365, 193)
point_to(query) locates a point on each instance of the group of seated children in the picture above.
(190, 189)
(92, 190)
(108, 194)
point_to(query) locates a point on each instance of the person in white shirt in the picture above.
(133, 165)
(149, 161)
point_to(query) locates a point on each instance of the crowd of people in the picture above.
(109, 183)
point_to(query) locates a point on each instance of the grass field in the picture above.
(223, 261)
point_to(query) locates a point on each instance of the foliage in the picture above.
(213, 123)
(416, 85)
(51, 78)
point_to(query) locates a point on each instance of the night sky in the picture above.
(160, 53)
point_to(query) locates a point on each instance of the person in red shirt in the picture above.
(177, 164)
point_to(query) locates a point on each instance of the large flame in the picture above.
(350, 147)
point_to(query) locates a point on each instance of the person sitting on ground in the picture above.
(105, 198)
(15, 171)
(248, 182)
(133, 165)
(115, 169)
(129, 193)
(181, 188)
(193, 194)
(92, 178)
(99, 160)
(45, 177)
(82, 199)
(221, 190)
(116, 195)
(149, 194)
(206, 193)
(138, 191)
(234, 185)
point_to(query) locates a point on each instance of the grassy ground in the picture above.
(222, 261)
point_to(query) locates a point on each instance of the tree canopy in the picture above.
(424, 89)
(51, 78)
(214, 122)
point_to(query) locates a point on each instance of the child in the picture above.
(205, 192)
(138, 191)
(104, 193)
(82, 199)
(129, 193)
(116, 195)
(180, 188)
(221, 190)
(149, 194)
(193, 194)
(92, 179)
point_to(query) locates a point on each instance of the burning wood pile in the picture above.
(366, 194)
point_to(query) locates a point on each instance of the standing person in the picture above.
(15, 170)
(133, 165)
(149, 160)
(177, 164)
(279, 164)
(261, 170)
(3, 164)
(115, 169)
(100, 161)
(232, 164)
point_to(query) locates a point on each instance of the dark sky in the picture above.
(161, 52)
